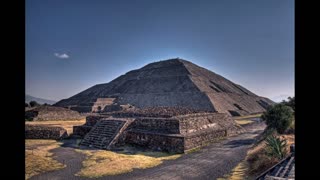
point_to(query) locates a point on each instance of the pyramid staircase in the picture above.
(104, 134)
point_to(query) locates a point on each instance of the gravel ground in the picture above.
(210, 162)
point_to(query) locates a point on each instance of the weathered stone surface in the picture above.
(105, 133)
(164, 112)
(203, 137)
(44, 132)
(171, 83)
(81, 131)
(47, 113)
(160, 125)
(173, 134)
(156, 141)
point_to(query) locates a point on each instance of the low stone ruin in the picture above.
(161, 130)
(49, 113)
(45, 132)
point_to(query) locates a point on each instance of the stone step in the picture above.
(102, 133)
(286, 168)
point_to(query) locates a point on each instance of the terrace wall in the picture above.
(156, 141)
(44, 132)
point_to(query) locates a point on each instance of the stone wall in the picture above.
(81, 131)
(200, 121)
(102, 103)
(174, 134)
(156, 141)
(81, 108)
(157, 112)
(49, 113)
(92, 120)
(203, 137)
(163, 125)
(44, 132)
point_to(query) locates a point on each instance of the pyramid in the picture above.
(170, 83)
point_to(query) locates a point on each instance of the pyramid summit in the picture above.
(169, 83)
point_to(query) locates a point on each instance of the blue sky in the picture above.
(75, 44)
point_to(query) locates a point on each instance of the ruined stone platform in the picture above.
(172, 134)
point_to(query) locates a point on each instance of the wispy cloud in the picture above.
(61, 56)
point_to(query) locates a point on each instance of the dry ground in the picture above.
(97, 163)
(101, 163)
(242, 120)
(210, 162)
(247, 117)
(67, 124)
(38, 159)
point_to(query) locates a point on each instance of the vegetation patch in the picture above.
(38, 159)
(193, 150)
(101, 163)
(248, 117)
(244, 121)
(279, 117)
(237, 173)
(260, 158)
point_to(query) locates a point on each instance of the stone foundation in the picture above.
(160, 125)
(81, 131)
(156, 141)
(172, 134)
(51, 113)
(45, 132)
(202, 138)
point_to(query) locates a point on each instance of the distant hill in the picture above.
(280, 98)
(29, 98)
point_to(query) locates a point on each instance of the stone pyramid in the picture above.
(171, 83)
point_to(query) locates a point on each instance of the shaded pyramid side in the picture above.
(226, 96)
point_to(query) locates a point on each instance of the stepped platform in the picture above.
(171, 134)
(104, 133)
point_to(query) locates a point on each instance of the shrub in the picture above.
(278, 117)
(291, 102)
(259, 162)
(276, 147)
(33, 103)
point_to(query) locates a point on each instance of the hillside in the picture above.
(29, 98)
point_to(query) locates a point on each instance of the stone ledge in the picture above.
(44, 132)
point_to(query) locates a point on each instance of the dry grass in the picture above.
(257, 159)
(67, 124)
(238, 173)
(243, 122)
(100, 163)
(38, 159)
(247, 117)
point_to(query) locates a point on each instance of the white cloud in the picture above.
(62, 56)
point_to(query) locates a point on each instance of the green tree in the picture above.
(278, 117)
(33, 103)
(290, 102)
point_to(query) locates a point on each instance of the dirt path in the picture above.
(210, 162)
(67, 156)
